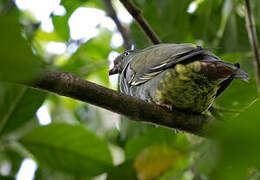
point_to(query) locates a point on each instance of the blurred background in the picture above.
(48, 137)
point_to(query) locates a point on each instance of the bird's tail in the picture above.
(240, 74)
(222, 69)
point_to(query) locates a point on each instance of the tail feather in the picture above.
(237, 73)
(240, 74)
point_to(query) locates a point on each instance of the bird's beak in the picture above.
(114, 70)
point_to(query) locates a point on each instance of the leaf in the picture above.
(43, 173)
(234, 98)
(154, 136)
(168, 19)
(91, 57)
(15, 159)
(69, 148)
(61, 26)
(44, 36)
(155, 160)
(140, 39)
(17, 62)
(124, 171)
(72, 5)
(205, 22)
(238, 147)
(61, 22)
(18, 105)
(6, 178)
(235, 37)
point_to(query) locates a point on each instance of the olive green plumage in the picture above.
(184, 76)
(185, 88)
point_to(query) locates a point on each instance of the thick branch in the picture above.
(124, 31)
(253, 41)
(66, 84)
(136, 13)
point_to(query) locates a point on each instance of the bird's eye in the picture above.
(126, 53)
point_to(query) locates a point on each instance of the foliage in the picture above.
(82, 141)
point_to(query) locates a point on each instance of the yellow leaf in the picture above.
(155, 160)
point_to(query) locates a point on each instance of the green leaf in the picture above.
(205, 21)
(91, 57)
(238, 147)
(235, 37)
(15, 159)
(168, 19)
(61, 26)
(72, 5)
(18, 105)
(43, 173)
(69, 148)
(6, 178)
(154, 136)
(124, 171)
(17, 62)
(61, 22)
(44, 36)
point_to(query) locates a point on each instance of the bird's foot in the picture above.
(168, 106)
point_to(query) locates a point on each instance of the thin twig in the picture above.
(253, 41)
(137, 14)
(123, 30)
(68, 85)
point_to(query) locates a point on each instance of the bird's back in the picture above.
(181, 75)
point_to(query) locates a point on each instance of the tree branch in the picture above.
(253, 41)
(136, 13)
(68, 85)
(124, 31)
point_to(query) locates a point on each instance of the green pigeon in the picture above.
(180, 76)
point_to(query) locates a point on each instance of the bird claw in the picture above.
(168, 106)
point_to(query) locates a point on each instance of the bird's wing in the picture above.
(151, 61)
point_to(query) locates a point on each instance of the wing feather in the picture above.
(184, 54)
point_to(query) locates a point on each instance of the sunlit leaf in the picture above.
(61, 22)
(61, 26)
(44, 36)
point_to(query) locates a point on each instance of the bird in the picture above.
(185, 76)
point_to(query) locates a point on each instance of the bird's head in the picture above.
(120, 62)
